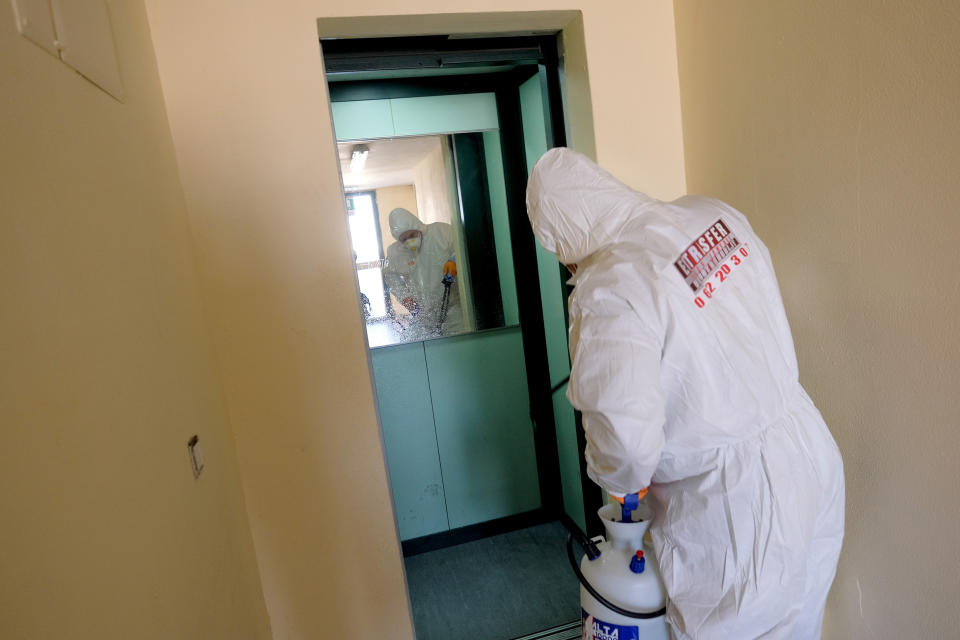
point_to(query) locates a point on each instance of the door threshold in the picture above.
(569, 631)
(472, 532)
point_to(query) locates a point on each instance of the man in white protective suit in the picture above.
(685, 372)
(421, 268)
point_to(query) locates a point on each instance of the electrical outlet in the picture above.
(196, 455)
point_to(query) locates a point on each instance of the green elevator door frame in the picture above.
(530, 120)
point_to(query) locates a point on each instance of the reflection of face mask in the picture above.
(412, 243)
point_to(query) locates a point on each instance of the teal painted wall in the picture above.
(485, 437)
(534, 123)
(568, 452)
(445, 114)
(366, 119)
(362, 120)
(406, 414)
(551, 291)
(501, 226)
(554, 322)
(457, 431)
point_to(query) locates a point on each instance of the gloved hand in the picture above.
(629, 503)
(640, 496)
(449, 269)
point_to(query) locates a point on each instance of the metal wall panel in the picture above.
(501, 227)
(362, 120)
(406, 414)
(569, 454)
(444, 114)
(485, 437)
(551, 289)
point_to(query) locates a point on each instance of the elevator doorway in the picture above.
(481, 444)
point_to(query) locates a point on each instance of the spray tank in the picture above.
(621, 592)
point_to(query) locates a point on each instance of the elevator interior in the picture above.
(478, 435)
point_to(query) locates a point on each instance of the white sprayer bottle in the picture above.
(625, 574)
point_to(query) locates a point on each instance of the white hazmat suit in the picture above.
(419, 275)
(686, 374)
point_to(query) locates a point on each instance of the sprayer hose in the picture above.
(600, 598)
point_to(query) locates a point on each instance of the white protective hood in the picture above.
(575, 207)
(402, 220)
(419, 275)
(684, 369)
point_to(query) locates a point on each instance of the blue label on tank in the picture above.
(597, 629)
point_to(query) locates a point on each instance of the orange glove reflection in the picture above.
(640, 496)
(450, 268)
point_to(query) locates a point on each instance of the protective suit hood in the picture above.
(575, 207)
(402, 220)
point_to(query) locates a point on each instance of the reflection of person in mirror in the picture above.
(421, 274)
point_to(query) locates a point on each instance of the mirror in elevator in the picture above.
(430, 236)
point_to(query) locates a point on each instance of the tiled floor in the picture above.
(498, 588)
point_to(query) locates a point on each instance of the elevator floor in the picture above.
(498, 588)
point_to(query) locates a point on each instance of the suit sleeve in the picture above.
(615, 383)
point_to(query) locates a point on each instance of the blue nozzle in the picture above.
(630, 502)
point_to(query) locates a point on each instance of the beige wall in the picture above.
(107, 369)
(433, 177)
(834, 126)
(247, 103)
